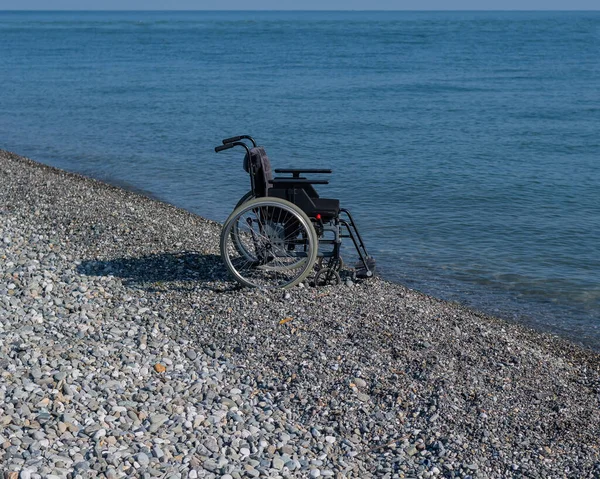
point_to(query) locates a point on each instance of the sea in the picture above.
(466, 144)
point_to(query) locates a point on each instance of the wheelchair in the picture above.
(281, 231)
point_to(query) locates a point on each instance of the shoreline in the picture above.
(513, 316)
(368, 380)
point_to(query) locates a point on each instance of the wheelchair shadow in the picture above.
(165, 271)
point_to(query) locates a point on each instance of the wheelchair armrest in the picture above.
(291, 182)
(297, 171)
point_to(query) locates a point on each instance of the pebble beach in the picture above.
(127, 351)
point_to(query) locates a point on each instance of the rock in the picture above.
(212, 444)
(159, 419)
(81, 466)
(411, 451)
(210, 465)
(251, 472)
(244, 451)
(142, 459)
(359, 382)
(191, 354)
(278, 463)
(157, 452)
(363, 397)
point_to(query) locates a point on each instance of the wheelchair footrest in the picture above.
(365, 269)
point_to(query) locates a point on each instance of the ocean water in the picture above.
(467, 144)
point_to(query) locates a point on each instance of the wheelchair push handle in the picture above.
(231, 145)
(223, 147)
(238, 138)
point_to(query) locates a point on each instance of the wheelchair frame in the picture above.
(296, 200)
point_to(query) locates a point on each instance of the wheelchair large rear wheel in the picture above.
(239, 245)
(247, 197)
(274, 244)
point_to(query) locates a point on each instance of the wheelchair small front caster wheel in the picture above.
(335, 264)
(327, 276)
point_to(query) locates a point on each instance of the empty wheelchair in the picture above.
(282, 231)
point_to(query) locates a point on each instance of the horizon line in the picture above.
(303, 10)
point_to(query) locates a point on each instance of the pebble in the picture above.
(142, 459)
(157, 452)
(363, 397)
(244, 451)
(411, 451)
(212, 444)
(361, 383)
(191, 354)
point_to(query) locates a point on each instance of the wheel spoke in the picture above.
(259, 243)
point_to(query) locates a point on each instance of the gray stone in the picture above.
(191, 354)
(210, 465)
(411, 451)
(212, 444)
(359, 382)
(142, 459)
(363, 397)
(278, 463)
(157, 452)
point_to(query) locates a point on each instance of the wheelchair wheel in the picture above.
(247, 197)
(327, 276)
(274, 244)
(338, 264)
(239, 245)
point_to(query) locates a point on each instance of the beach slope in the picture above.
(125, 350)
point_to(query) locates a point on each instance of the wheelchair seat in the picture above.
(297, 190)
(327, 207)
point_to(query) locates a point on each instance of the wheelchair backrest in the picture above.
(261, 170)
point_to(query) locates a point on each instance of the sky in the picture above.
(299, 5)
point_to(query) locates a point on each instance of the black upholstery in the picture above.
(297, 190)
(326, 207)
(262, 170)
